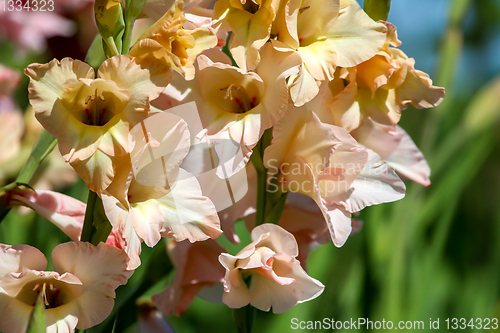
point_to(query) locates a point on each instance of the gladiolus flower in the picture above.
(380, 88)
(96, 113)
(267, 274)
(78, 294)
(342, 176)
(172, 205)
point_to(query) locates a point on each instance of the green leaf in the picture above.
(37, 323)
(95, 55)
(96, 227)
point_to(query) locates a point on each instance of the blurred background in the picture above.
(434, 254)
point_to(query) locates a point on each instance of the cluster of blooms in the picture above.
(326, 78)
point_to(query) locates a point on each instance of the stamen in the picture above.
(303, 8)
(239, 95)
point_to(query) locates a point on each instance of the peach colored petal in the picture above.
(303, 87)
(144, 83)
(187, 213)
(15, 257)
(64, 211)
(16, 316)
(299, 134)
(283, 298)
(97, 171)
(396, 148)
(101, 269)
(376, 184)
(46, 82)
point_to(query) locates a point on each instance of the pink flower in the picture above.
(267, 274)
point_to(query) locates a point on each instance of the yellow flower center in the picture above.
(94, 102)
(239, 95)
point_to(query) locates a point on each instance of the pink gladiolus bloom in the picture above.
(267, 274)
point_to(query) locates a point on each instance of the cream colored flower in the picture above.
(266, 274)
(78, 294)
(380, 88)
(97, 113)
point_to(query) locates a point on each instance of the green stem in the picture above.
(132, 10)
(89, 214)
(127, 35)
(257, 160)
(42, 147)
(244, 318)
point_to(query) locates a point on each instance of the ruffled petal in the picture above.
(14, 257)
(355, 36)
(46, 81)
(376, 184)
(101, 269)
(267, 293)
(397, 149)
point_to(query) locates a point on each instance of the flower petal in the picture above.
(355, 36)
(144, 83)
(187, 213)
(64, 211)
(267, 293)
(101, 269)
(46, 81)
(396, 148)
(14, 257)
(376, 184)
